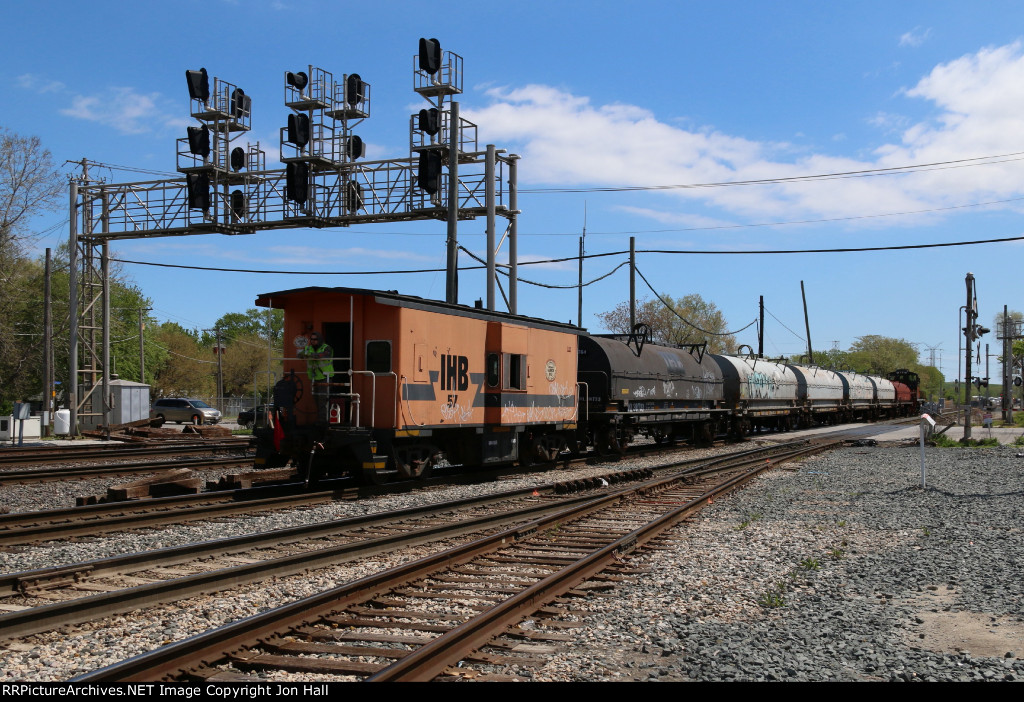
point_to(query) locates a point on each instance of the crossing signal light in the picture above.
(980, 330)
(429, 175)
(297, 182)
(198, 188)
(199, 141)
(297, 80)
(198, 84)
(238, 205)
(356, 148)
(241, 104)
(298, 129)
(430, 121)
(1017, 380)
(237, 158)
(430, 55)
(355, 90)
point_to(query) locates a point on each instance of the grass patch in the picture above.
(773, 598)
(943, 441)
(810, 564)
(748, 521)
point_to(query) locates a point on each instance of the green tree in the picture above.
(29, 186)
(879, 355)
(188, 369)
(248, 363)
(703, 322)
(252, 322)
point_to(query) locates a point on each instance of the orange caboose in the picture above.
(425, 382)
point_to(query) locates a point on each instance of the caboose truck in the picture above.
(418, 383)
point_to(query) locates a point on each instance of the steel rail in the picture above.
(47, 617)
(180, 659)
(34, 454)
(28, 527)
(81, 472)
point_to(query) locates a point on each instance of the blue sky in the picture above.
(593, 95)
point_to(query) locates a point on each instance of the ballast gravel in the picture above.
(838, 568)
(843, 569)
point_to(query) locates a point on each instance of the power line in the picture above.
(841, 175)
(684, 319)
(859, 249)
(784, 326)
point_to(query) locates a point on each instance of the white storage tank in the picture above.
(62, 422)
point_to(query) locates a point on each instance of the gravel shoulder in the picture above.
(842, 569)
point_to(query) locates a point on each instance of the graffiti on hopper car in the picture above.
(761, 386)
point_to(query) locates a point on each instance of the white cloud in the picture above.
(124, 109)
(568, 140)
(915, 37)
(39, 84)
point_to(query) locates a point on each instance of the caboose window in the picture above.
(515, 371)
(493, 370)
(378, 356)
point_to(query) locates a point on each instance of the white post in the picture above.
(925, 422)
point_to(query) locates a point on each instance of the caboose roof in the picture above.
(280, 300)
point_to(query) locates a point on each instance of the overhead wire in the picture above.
(784, 326)
(500, 269)
(684, 319)
(690, 252)
(840, 175)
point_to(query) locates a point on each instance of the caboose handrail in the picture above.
(373, 392)
(405, 382)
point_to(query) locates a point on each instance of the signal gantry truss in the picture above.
(226, 188)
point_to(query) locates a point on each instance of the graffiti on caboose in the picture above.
(563, 391)
(452, 411)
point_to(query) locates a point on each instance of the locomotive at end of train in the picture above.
(384, 386)
(414, 383)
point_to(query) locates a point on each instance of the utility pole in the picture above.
(220, 373)
(632, 283)
(969, 334)
(142, 344)
(47, 352)
(807, 325)
(760, 332)
(579, 290)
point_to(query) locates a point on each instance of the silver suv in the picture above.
(179, 409)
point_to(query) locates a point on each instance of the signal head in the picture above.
(430, 55)
(198, 84)
(237, 159)
(297, 80)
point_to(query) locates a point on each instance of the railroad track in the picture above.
(36, 475)
(35, 455)
(22, 528)
(449, 614)
(121, 583)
